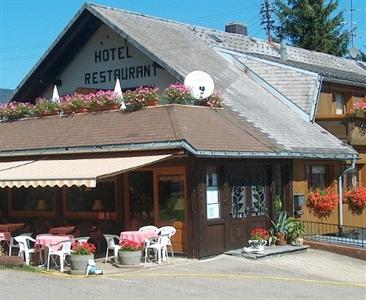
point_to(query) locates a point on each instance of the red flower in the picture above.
(356, 199)
(127, 245)
(82, 248)
(322, 202)
(259, 234)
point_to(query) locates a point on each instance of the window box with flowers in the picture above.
(129, 253)
(359, 110)
(81, 253)
(322, 202)
(356, 199)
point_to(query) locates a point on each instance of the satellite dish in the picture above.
(354, 52)
(200, 83)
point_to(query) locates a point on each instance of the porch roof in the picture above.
(68, 172)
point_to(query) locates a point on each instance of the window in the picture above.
(339, 103)
(171, 197)
(317, 176)
(141, 195)
(34, 199)
(212, 194)
(98, 199)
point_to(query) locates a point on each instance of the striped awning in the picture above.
(68, 172)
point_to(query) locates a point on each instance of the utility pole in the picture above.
(266, 12)
(353, 28)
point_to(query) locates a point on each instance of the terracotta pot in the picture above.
(81, 110)
(281, 239)
(153, 102)
(129, 257)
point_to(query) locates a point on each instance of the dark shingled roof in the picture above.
(203, 128)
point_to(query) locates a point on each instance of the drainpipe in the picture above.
(340, 189)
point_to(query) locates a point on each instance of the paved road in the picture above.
(312, 275)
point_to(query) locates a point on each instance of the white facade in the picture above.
(104, 58)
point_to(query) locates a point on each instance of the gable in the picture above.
(105, 57)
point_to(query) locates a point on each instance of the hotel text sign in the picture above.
(118, 54)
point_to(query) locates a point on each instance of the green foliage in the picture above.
(281, 223)
(312, 24)
(295, 228)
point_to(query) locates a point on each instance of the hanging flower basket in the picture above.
(322, 202)
(356, 199)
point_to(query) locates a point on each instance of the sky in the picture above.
(28, 27)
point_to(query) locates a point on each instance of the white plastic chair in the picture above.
(111, 245)
(13, 243)
(166, 233)
(158, 246)
(60, 249)
(24, 247)
(149, 228)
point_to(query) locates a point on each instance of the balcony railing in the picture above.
(335, 234)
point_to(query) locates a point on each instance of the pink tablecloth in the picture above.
(10, 227)
(5, 236)
(45, 240)
(64, 230)
(137, 236)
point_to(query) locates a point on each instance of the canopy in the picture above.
(68, 172)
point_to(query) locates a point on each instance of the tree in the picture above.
(312, 24)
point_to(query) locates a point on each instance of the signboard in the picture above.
(104, 58)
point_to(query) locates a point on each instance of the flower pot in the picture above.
(359, 114)
(129, 257)
(257, 243)
(299, 241)
(281, 239)
(154, 102)
(79, 263)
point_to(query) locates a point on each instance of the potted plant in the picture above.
(295, 232)
(280, 228)
(356, 199)
(81, 252)
(177, 93)
(259, 237)
(46, 107)
(147, 95)
(129, 253)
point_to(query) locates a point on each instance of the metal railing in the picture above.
(335, 234)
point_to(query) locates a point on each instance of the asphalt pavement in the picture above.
(312, 275)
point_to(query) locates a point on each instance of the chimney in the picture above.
(236, 27)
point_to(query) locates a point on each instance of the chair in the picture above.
(111, 245)
(14, 244)
(149, 228)
(167, 232)
(60, 249)
(158, 246)
(24, 247)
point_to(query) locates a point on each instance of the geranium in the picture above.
(128, 245)
(215, 100)
(16, 110)
(356, 199)
(83, 248)
(259, 234)
(46, 107)
(322, 202)
(178, 93)
(147, 95)
(359, 106)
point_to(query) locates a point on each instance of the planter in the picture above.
(129, 257)
(154, 102)
(359, 114)
(257, 243)
(281, 239)
(79, 263)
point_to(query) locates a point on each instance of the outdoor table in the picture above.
(43, 242)
(11, 227)
(137, 236)
(62, 230)
(5, 236)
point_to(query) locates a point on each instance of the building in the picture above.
(212, 173)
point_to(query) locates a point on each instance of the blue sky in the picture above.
(28, 27)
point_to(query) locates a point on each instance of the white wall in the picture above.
(106, 56)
